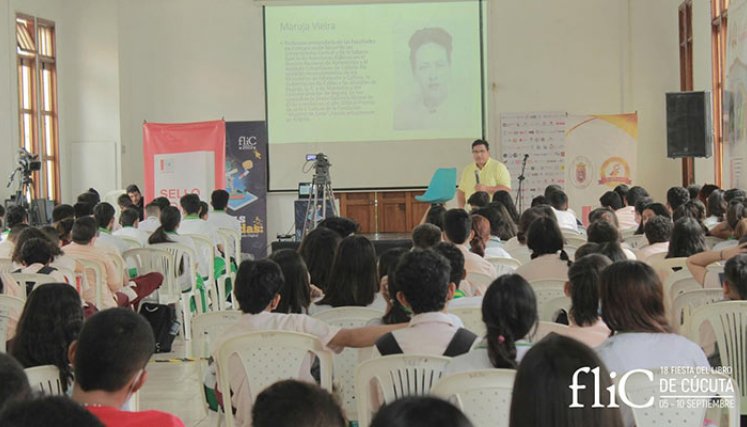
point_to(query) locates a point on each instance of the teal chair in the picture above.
(442, 187)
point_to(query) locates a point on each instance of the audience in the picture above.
(688, 238)
(340, 225)
(110, 359)
(167, 233)
(478, 199)
(58, 411)
(715, 209)
(295, 295)
(500, 229)
(51, 320)
(220, 219)
(36, 255)
(612, 250)
(480, 235)
(258, 284)
(353, 279)
(293, 403)
(584, 322)
(548, 259)
(458, 230)
(103, 213)
(504, 197)
(8, 245)
(425, 236)
(676, 197)
(14, 385)
(457, 274)
(509, 310)
(130, 223)
(204, 211)
(566, 219)
(420, 411)
(650, 210)
(542, 396)
(658, 232)
(318, 250)
(435, 215)
(152, 221)
(517, 246)
(611, 200)
(604, 232)
(395, 312)
(424, 289)
(694, 191)
(192, 224)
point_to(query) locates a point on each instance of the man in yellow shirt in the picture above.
(493, 175)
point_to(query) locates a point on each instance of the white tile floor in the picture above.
(176, 388)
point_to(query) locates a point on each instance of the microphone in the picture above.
(477, 176)
(526, 156)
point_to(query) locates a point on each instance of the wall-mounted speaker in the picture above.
(689, 124)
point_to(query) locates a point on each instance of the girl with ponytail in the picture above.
(167, 233)
(548, 260)
(509, 310)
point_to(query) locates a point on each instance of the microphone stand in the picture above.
(521, 179)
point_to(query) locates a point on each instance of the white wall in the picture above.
(7, 92)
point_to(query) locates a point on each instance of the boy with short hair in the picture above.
(109, 358)
(129, 221)
(458, 230)
(292, 403)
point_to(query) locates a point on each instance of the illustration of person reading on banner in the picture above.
(484, 174)
(427, 106)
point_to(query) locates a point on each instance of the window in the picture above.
(719, 10)
(37, 100)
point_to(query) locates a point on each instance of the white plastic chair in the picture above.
(545, 328)
(549, 308)
(471, 316)
(45, 379)
(574, 239)
(6, 265)
(660, 262)
(504, 265)
(206, 252)
(227, 239)
(10, 308)
(628, 232)
(97, 271)
(234, 249)
(636, 241)
(520, 253)
(268, 357)
(131, 242)
(678, 282)
(687, 409)
(550, 294)
(479, 280)
(483, 396)
(685, 302)
(395, 376)
(729, 322)
(346, 362)
(712, 241)
(23, 279)
(171, 292)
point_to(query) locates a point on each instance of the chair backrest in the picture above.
(210, 325)
(181, 256)
(131, 242)
(688, 407)
(94, 271)
(205, 251)
(45, 379)
(629, 232)
(483, 396)
(660, 262)
(729, 322)
(479, 280)
(544, 328)
(549, 295)
(712, 241)
(111, 197)
(346, 362)
(676, 277)
(549, 308)
(395, 377)
(636, 241)
(26, 280)
(442, 186)
(6, 265)
(685, 302)
(10, 311)
(574, 239)
(504, 265)
(471, 316)
(153, 259)
(235, 239)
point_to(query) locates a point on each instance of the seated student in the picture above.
(504, 198)
(204, 211)
(605, 232)
(61, 260)
(715, 209)
(542, 397)
(9, 244)
(736, 211)
(693, 190)
(509, 310)
(295, 295)
(103, 213)
(15, 215)
(478, 199)
(517, 246)
(110, 359)
(458, 274)
(352, 280)
(83, 209)
(63, 217)
(218, 217)
(434, 215)
(482, 236)
(501, 229)
(124, 202)
(167, 233)
(192, 224)
(584, 322)
(611, 250)
(48, 411)
(293, 403)
(258, 284)
(604, 214)
(425, 236)
(566, 218)
(36, 255)
(151, 221)
(119, 290)
(318, 250)
(611, 200)
(395, 312)
(51, 320)
(458, 230)
(423, 280)
(676, 197)
(128, 219)
(420, 411)
(15, 385)
(548, 259)
(340, 225)
(649, 211)
(688, 238)
(694, 209)
(658, 232)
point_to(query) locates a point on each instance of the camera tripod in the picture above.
(321, 194)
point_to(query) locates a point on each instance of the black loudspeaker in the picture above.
(689, 124)
(40, 212)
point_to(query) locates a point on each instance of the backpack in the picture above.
(162, 319)
(461, 343)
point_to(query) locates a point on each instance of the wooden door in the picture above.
(360, 207)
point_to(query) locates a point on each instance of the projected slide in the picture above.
(383, 72)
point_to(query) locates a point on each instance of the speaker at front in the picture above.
(689, 125)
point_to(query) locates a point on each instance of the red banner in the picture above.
(184, 158)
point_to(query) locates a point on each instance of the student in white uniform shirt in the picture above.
(167, 233)
(658, 231)
(566, 218)
(424, 289)
(509, 310)
(103, 213)
(218, 216)
(9, 244)
(151, 221)
(192, 224)
(458, 230)
(602, 231)
(128, 219)
(549, 260)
